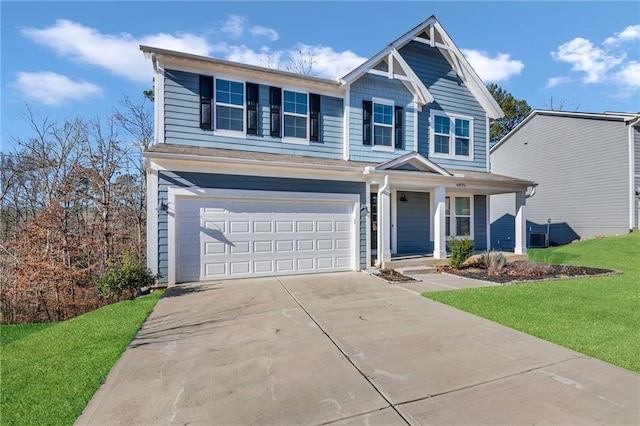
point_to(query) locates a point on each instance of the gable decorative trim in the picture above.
(416, 160)
(429, 32)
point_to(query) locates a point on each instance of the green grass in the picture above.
(49, 372)
(598, 317)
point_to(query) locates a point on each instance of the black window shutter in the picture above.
(399, 126)
(252, 109)
(206, 94)
(275, 101)
(314, 117)
(367, 109)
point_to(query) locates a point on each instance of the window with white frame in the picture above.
(383, 124)
(295, 111)
(451, 136)
(229, 105)
(458, 216)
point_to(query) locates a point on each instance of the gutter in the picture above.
(226, 160)
(371, 171)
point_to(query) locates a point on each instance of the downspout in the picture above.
(383, 219)
(533, 192)
(632, 174)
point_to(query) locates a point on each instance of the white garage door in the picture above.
(241, 237)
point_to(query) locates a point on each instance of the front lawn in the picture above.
(49, 372)
(598, 317)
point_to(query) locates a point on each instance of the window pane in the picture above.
(462, 146)
(447, 206)
(228, 92)
(463, 226)
(295, 103)
(463, 206)
(462, 127)
(228, 118)
(447, 229)
(295, 127)
(441, 124)
(441, 144)
(383, 114)
(382, 136)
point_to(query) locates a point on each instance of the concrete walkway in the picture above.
(347, 348)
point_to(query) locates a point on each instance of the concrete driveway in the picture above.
(347, 348)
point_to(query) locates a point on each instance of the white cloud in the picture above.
(555, 81)
(53, 89)
(632, 32)
(269, 33)
(498, 68)
(326, 62)
(606, 63)
(584, 56)
(119, 53)
(236, 25)
(629, 75)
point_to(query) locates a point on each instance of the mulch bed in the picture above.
(522, 271)
(393, 276)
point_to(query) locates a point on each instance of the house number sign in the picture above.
(460, 185)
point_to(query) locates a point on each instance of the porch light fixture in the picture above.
(163, 206)
(403, 198)
(365, 210)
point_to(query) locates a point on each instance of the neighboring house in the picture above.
(258, 172)
(587, 167)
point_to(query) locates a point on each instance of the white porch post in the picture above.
(521, 223)
(439, 224)
(384, 223)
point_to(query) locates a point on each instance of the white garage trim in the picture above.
(176, 194)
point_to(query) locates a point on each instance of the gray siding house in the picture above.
(587, 167)
(258, 172)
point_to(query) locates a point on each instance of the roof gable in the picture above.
(429, 32)
(414, 160)
(624, 117)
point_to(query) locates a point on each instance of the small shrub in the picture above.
(461, 250)
(126, 279)
(493, 261)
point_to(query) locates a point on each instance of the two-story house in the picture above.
(258, 172)
(587, 167)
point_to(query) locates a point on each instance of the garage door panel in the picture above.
(285, 246)
(222, 238)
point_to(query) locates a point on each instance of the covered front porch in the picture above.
(413, 211)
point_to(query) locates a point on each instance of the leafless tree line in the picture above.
(72, 196)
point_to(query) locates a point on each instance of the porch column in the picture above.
(521, 223)
(440, 224)
(384, 223)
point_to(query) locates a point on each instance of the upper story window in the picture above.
(451, 136)
(232, 107)
(296, 109)
(382, 124)
(229, 105)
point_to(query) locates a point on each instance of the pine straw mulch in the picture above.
(392, 276)
(523, 271)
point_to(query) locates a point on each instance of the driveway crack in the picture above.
(382, 395)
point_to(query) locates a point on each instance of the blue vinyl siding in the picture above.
(480, 222)
(413, 223)
(366, 88)
(206, 180)
(451, 96)
(182, 122)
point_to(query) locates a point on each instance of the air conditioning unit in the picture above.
(538, 240)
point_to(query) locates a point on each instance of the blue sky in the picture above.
(68, 59)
